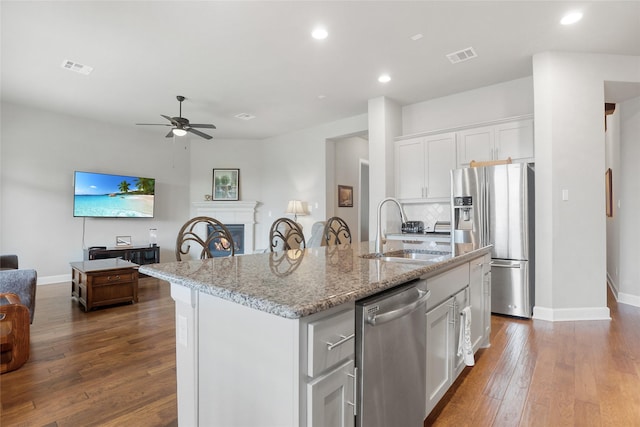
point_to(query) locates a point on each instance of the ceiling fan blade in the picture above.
(170, 119)
(153, 124)
(197, 132)
(170, 134)
(202, 126)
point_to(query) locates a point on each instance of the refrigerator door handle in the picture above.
(506, 264)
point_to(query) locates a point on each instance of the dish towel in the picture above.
(465, 348)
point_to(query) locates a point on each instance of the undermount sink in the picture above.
(411, 256)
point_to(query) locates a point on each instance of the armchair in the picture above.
(23, 284)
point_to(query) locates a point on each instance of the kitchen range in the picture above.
(347, 337)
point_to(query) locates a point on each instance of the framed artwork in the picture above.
(345, 196)
(226, 184)
(608, 188)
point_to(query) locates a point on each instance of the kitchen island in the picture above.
(266, 339)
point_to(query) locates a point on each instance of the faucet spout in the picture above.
(380, 237)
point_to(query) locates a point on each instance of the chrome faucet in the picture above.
(380, 238)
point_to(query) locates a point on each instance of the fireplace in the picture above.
(233, 214)
(237, 234)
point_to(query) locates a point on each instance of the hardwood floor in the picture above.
(113, 366)
(539, 373)
(116, 366)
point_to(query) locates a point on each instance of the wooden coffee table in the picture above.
(104, 282)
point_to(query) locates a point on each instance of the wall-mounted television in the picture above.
(101, 195)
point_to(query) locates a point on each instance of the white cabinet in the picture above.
(480, 301)
(330, 369)
(422, 166)
(330, 398)
(496, 142)
(449, 295)
(439, 353)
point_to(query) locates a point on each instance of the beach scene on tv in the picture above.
(102, 195)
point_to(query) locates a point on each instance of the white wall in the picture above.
(39, 153)
(294, 167)
(508, 99)
(628, 192)
(570, 155)
(245, 155)
(348, 153)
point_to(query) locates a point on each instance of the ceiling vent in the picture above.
(78, 68)
(462, 55)
(244, 116)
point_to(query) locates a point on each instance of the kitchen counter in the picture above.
(296, 284)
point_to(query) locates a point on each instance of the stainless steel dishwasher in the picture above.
(391, 357)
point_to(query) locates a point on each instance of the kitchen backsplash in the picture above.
(429, 213)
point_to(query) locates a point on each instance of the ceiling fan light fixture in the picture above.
(179, 132)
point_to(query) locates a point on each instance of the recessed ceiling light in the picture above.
(384, 78)
(571, 18)
(416, 37)
(319, 33)
(322, 96)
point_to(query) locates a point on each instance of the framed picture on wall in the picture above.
(608, 189)
(226, 184)
(345, 196)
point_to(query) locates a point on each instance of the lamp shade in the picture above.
(179, 132)
(295, 208)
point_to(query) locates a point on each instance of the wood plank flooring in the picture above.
(116, 367)
(539, 373)
(113, 366)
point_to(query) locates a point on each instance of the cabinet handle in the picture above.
(355, 387)
(114, 278)
(344, 339)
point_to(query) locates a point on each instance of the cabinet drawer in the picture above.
(330, 341)
(114, 277)
(446, 284)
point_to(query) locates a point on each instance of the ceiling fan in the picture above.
(181, 124)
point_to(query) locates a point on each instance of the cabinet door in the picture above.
(410, 169)
(476, 297)
(441, 158)
(460, 301)
(487, 300)
(475, 144)
(330, 398)
(439, 353)
(515, 140)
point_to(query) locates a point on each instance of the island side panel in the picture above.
(248, 361)
(186, 354)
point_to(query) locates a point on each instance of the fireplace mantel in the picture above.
(232, 212)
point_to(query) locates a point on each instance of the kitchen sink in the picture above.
(411, 256)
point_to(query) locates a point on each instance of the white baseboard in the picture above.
(629, 299)
(571, 314)
(49, 280)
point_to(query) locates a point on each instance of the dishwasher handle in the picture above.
(380, 318)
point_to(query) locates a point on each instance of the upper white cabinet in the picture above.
(510, 139)
(422, 166)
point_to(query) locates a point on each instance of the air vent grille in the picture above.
(244, 116)
(462, 55)
(78, 68)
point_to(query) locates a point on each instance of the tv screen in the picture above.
(101, 195)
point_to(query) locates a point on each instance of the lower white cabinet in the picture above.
(443, 331)
(330, 368)
(330, 398)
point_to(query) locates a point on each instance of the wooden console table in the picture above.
(104, 282)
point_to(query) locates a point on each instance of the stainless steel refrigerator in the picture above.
(495, 205)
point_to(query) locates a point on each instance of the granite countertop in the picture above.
(298, 283)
